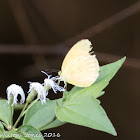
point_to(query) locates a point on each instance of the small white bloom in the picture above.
(50, 83)
(39, 88)
(15, 90)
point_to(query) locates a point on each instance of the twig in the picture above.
(96, 29)
(102, 26)
(19, 9)
(62, 50)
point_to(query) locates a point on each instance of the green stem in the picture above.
(20, 116)
(5, 125)
(19, 106)
(28, 100)
(11, 115)
(30, 106)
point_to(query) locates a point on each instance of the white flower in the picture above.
(39, 88)
(15, 90)
(50, 83)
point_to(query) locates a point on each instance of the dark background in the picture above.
(36, 34)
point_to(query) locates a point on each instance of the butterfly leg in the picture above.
(65, 85)
(58, 82)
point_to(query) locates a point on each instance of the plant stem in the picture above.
(21, 114)
(5, 125)
(30, 98)
(30, 106)
(19, 106)
(11, 115)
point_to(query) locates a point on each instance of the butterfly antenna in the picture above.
(52, 70)
(45, 73)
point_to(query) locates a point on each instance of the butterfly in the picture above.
(80, 67)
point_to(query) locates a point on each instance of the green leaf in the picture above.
(30, 132)
(20, 137)
(107, 72)
(1, 127)
(55, 123)
(6, 112)
(85, 111)
(81, 107)
(43, 116)
(110, 70)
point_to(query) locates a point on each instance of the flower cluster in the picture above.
(37, 88)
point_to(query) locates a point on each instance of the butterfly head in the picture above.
(59, 73)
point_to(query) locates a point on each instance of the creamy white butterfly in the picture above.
(80, 67)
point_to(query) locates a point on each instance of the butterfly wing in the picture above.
(79, 67)
(83, 72)
(81, 48)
